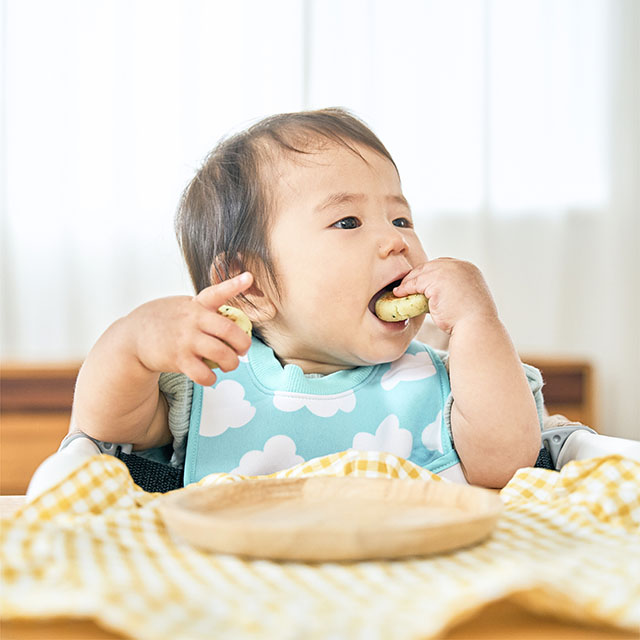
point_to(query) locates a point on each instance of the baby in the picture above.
(300, 221)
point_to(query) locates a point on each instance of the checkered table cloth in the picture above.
(94, 546)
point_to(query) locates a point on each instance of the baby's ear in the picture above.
(257, 301)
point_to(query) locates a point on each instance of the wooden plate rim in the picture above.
(175, 502)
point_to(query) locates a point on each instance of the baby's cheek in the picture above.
(418, 256)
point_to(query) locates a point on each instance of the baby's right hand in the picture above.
(174, 334)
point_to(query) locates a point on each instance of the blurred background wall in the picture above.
(514, 123)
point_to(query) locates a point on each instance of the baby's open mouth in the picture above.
(389, 287)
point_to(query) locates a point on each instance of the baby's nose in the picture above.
(391, 242)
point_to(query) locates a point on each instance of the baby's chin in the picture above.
(389, 355)
(382, 352)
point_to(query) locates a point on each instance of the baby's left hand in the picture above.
(456, 290)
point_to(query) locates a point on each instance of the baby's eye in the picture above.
(347, 223)
(403, 222)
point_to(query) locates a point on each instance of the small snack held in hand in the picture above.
(392, 309)
(239, 317)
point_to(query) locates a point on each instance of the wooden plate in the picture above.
(331, 518)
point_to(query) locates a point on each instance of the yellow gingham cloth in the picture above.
(94, 546)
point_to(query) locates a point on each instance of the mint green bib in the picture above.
(263, 417)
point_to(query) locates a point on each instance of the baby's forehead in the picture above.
(289, 168)
(313, 178)
(320, 154)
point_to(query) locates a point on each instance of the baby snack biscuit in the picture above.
(392, 309)
(239, 317)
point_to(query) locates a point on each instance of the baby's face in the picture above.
(342, 231)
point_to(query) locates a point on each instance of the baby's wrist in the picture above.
(126, 340)
(481, 322)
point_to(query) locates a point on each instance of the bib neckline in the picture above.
(270, 374)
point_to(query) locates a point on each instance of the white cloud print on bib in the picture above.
(279, 453)
(432, 435)
(407, 369)
(321, 406)
(224, 407)
(389, 437)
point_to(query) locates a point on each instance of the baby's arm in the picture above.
(117, 398)
(493, 417)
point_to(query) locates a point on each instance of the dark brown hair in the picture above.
(223, 215)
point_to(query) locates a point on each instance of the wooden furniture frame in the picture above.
(35, 409)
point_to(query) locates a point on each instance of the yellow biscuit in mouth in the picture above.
(240, 318)
(392, 309)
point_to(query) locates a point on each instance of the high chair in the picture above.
(561, 440)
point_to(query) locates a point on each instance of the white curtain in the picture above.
(514, 124)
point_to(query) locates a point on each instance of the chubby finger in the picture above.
(416, 280)
(407, 287)
(218, 294)
(215, 352)
(200, 373)
(226, 330)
